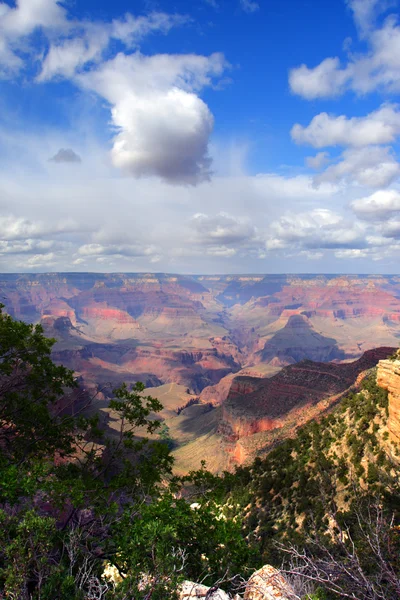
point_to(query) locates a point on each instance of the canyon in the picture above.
(231, 354)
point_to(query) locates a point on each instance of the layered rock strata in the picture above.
(258, 405)
(388, 378)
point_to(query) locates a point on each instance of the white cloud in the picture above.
(64, 58)
(127, 250)
(317, 229)
(30, 14)
(19, 228)
(16, 228)
(373, 166)
(69, 55)
(365, 162)
(379, 127)
(221, 251)
(378, 68)
(150, 220)
(323, 233)
(222, 229)
(224, 235)
(391, 229)
(17, 23)
(299, 186)
(29, 246)
(366, 11)
(326, 80)
(72, 43)
(378, 206)
(351, 253)
(163, 126)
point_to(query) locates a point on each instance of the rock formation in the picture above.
(388, 377)
(268, 584)
(265, 584)
(298, 340)
(195, 591)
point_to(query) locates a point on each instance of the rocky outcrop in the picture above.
(195, 591)
(388, 377)
(265, 584)
(216, 394)
(297, 341)
(268, 584)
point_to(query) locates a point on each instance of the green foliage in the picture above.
(171, 540)
(31, 424)
(72, 498)
(27, 540)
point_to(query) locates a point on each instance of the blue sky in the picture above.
(208, 136)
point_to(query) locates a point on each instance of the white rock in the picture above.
(268, 584)
(194, 591)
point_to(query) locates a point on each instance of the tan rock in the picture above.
(268, 584)
(388, 378)
(195, 591)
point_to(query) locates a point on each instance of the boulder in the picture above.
(268, 584)
(193, 591)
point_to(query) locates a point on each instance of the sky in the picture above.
(200, 136)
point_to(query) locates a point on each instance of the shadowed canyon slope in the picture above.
(196, 333)
(254, 405)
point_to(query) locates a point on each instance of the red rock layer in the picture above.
(106, 313)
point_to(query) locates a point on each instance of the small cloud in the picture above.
(66, 155)
(249, 6)
(212, 3)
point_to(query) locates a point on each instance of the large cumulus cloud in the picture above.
(163, 127)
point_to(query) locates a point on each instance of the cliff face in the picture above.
(388, 378)
(278, 405)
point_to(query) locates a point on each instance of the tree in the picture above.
(73, 497)
(33, 420)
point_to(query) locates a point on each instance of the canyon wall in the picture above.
(277, 406)
(199, 331)
(388, 378)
